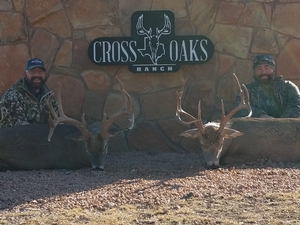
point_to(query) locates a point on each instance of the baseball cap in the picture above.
(33, 63)
(263, 59)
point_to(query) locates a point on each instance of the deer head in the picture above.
(96, 140)
(212, 134)
(153, 39)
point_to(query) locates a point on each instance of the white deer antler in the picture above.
(141, 29)
(242, 105)
(82, 126)
(192, 120)
(166, 29)
(63, 118)
(126, 109)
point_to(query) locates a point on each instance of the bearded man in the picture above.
(271, 96)
(26, 102)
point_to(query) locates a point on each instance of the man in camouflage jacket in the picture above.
(271, 96)
(26, 102)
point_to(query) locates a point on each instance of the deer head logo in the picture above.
(152, 47)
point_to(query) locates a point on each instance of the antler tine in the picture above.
(50, 120)
(242, 105)
(179, 111)
(139, 24)
(247, 100)
(60, 110)
(141, 30)
(126, 109)
(167, 27)
(125, 94)
(63, 118)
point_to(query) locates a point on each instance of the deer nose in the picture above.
(213, 167)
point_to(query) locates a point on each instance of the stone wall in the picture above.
(59, 32)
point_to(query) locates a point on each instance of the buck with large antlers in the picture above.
(241, 140)
(153, 48)
(26, 147)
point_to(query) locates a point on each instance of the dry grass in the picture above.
(154, 189)
(273, 209)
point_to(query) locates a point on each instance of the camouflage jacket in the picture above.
(279, 99)
(19, 106)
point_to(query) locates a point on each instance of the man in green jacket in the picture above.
(271, 96)
(26, 102)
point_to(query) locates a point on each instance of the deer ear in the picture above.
(192, 133)
(231, 133)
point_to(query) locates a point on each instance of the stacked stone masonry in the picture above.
(59, 32)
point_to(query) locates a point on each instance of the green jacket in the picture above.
(19, 106)
(279, 98)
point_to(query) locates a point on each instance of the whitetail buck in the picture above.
(241, 140)
(26, 147)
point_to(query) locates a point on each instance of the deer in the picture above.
(64, 143)
(154, 46)
(236, 141)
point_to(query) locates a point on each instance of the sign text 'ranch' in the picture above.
(152, 47)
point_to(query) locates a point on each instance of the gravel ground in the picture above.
(141, 178)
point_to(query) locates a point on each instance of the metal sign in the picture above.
(153, 46)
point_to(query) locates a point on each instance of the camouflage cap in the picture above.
(263, 59)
